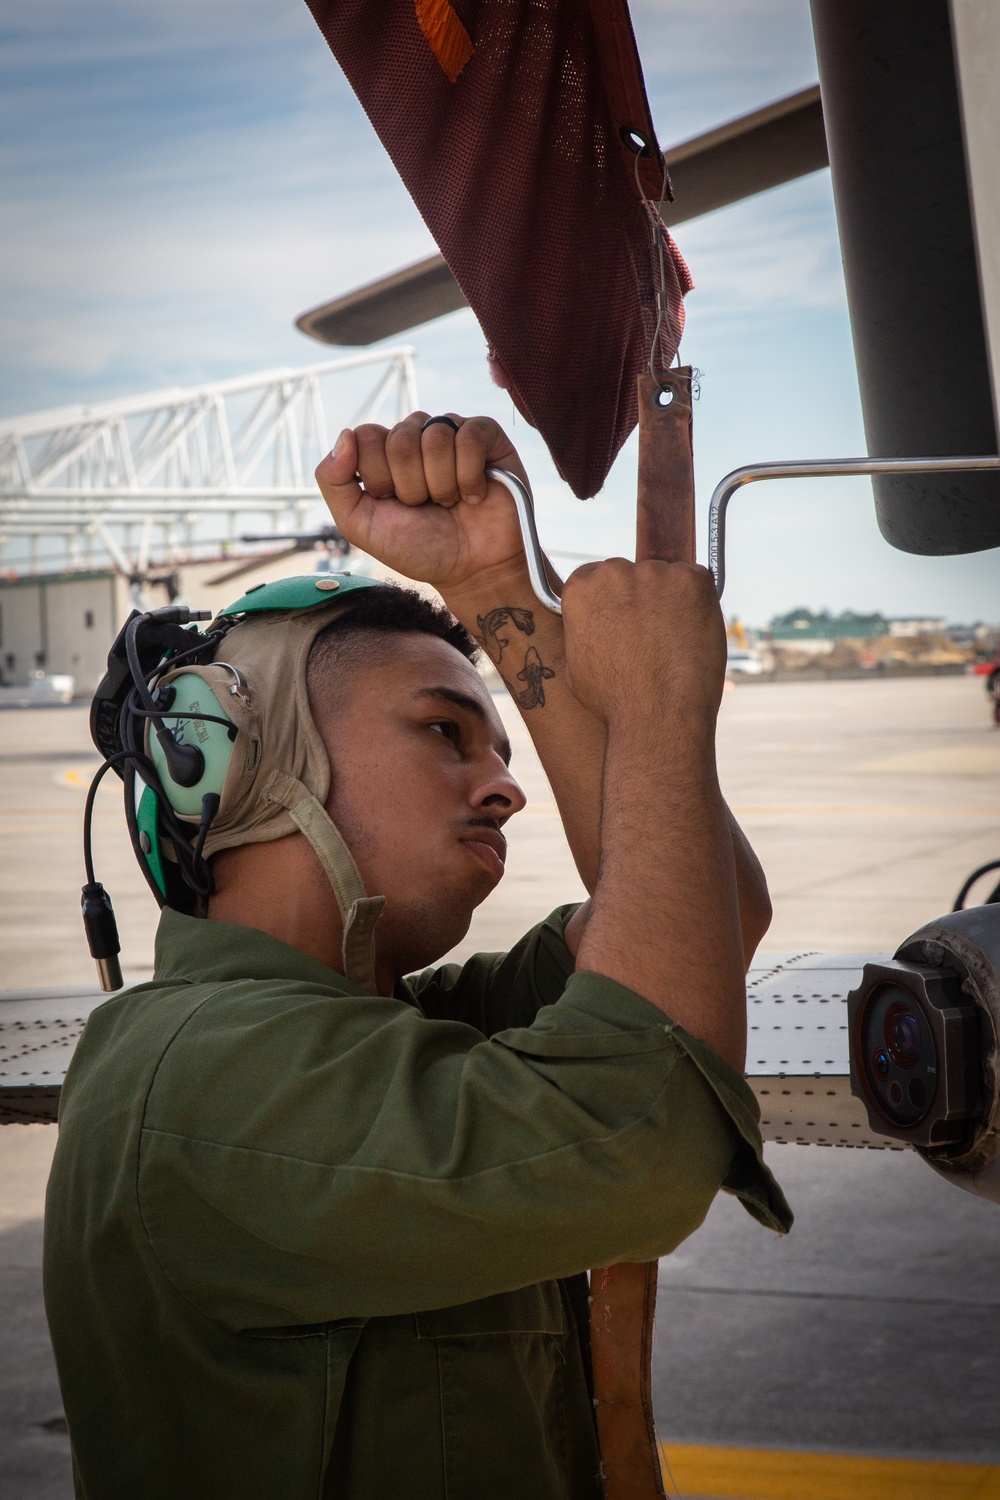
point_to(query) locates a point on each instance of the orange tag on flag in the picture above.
(445, 34)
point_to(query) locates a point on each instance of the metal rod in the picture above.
(521, 496)
(816, 469)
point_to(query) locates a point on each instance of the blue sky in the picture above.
(178, 181)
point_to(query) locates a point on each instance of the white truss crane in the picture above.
(123, 479)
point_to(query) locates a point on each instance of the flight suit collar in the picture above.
(194, 950)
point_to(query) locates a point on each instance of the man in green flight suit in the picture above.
(316, 1228)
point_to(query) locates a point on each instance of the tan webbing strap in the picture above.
(358, 911)
(359, 941)
(665, 517)
(623, 1304)
(623, 1298)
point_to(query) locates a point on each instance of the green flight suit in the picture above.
(303, 1242)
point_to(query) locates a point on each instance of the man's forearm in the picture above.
(525, 642)
(664, 918)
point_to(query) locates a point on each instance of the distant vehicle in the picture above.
(42, 690)
(993, 687)
(743, 662)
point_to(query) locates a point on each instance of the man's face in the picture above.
(420, 790)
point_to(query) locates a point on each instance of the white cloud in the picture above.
(777, 251)
(706, 61)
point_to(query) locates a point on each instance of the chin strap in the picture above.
(358, 911)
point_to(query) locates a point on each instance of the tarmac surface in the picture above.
(874, 1328)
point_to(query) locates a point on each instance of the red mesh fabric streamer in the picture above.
(522, 176)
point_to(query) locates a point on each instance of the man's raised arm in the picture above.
(468, 545)
(646, 648)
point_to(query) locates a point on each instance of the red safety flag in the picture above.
(522, 130)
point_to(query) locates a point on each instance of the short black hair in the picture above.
(351, 638)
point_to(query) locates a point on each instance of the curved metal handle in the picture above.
(815, 469)
(521, 496)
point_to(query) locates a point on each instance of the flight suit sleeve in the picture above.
(346, 1156)
(493, 991)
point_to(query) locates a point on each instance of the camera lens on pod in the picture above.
(901, 1054)
(902, 1035)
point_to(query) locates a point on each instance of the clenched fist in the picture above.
(419, 501)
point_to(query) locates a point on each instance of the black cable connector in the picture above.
(102, 934)
(177, 614)
(186, 763)
(209, 808)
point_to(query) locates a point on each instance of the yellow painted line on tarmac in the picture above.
(82, 777)
(874, 810)
(761, 1474)
(54, 814)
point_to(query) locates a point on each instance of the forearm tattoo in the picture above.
(490, 626)
(534, 677)
(534, 673)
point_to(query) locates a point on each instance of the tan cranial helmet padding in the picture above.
(278, 779)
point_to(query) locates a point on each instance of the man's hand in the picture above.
(378, 482)
(643, 638)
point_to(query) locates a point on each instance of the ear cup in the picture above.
(214, 742)
(147, 821)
